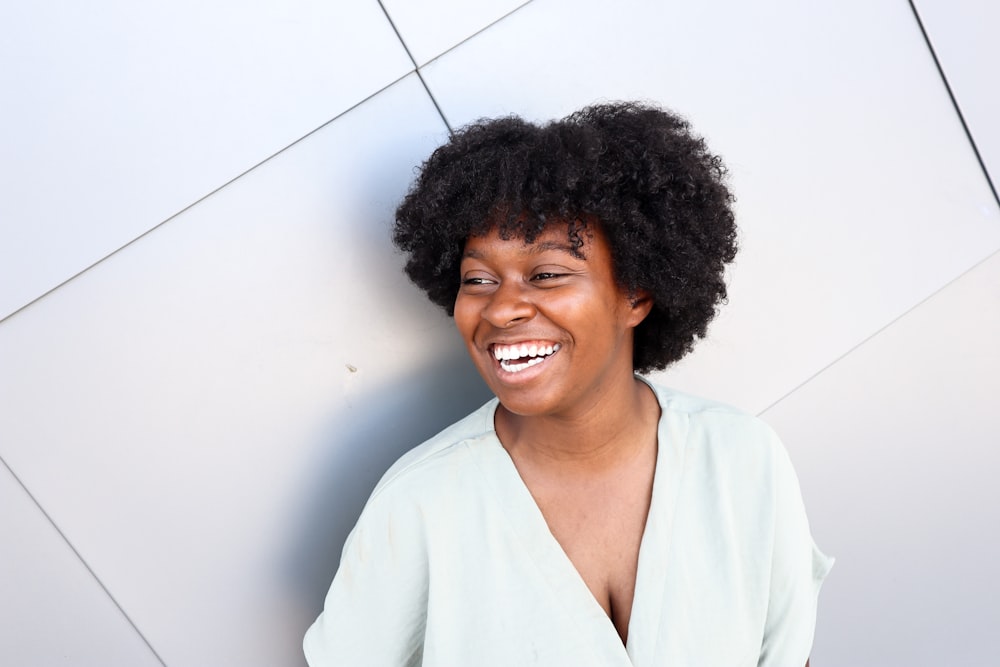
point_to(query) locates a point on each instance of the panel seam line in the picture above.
(203, 198)
(83, 561)
(416, 68)
(993, 254)
(954, 101)
(483, 29)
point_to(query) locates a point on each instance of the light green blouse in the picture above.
(452, 563)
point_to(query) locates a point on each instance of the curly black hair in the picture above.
(653, 187)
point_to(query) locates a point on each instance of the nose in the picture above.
(508, 305)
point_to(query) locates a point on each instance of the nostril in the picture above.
(507, 307)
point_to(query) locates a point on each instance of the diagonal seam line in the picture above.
(434, 101)
(451, 48)
(416, 68)
(954, 101)
(989, 182)
(203, 198)
(83, 562)
(864, 341)
(483, 29)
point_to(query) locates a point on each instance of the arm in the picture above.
(375, 611)
(798, 568)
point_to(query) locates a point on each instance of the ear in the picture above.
(640, 303)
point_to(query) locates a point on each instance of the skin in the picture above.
(580, 429)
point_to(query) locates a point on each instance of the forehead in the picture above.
(573, 238)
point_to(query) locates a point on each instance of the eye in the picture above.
(476, 281)
(546, 275)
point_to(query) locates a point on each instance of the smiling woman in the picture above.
(584, 516)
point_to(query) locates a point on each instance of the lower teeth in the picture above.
(514, 368)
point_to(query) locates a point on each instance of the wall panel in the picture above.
(431, 27)
(963, 34)
(896, 450)
(54, 611)
(117, 115)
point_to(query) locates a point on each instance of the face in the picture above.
(550, 331)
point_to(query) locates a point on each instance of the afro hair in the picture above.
(656, 191)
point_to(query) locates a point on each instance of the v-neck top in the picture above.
(452, 562)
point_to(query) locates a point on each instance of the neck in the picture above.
(615, 427)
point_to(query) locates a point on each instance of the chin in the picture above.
(526, 403)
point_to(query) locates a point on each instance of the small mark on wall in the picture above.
(351, 368)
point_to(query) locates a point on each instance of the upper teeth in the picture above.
(510, 352)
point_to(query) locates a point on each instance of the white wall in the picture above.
(208, 354)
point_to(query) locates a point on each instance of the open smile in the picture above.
(518, 357)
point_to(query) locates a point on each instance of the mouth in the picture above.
(521, 356)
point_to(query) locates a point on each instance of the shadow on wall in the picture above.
(362, 441)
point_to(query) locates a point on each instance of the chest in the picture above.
(599, 523)
(699, 593)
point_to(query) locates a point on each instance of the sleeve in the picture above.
(375, 611)
(798, 569)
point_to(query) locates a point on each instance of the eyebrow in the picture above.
(536, 249)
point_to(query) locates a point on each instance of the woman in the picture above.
(584, 516)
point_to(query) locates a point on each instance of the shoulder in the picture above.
(724, 447)
(437, 454)
(422, 486)
(716, 424)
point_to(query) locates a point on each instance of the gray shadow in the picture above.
(362, 441)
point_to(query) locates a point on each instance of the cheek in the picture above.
(465, 318)
(592, 310)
